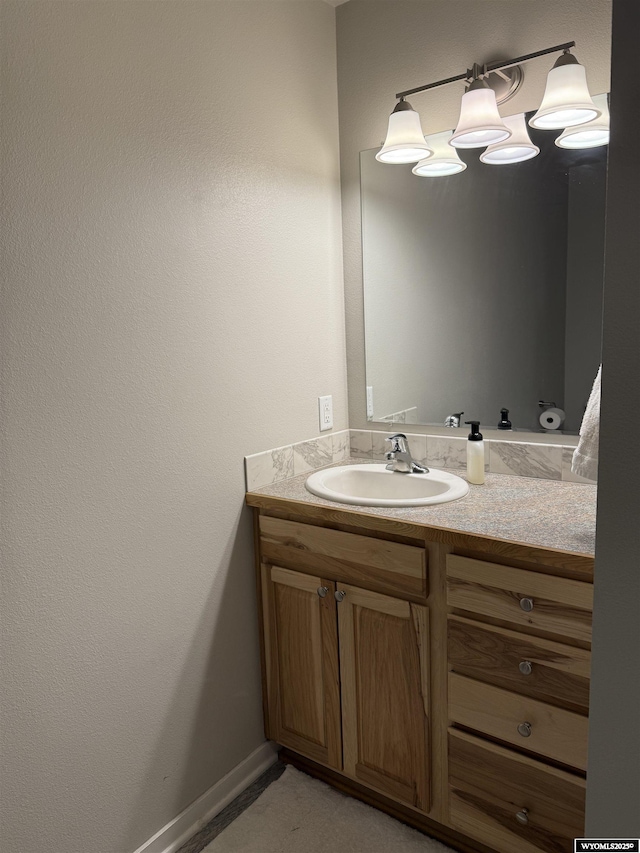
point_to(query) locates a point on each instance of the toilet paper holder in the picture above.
(551, 417)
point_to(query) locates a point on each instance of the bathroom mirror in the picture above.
(483, 290)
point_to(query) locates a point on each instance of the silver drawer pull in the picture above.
(525, 667)
(524, 729)
(526, 604)
(322, 591)
(339, 594)
(523, 816)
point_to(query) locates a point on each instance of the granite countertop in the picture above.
(525, 510)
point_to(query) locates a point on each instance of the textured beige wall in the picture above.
(173, 301)
(386, 46)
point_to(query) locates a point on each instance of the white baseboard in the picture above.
(172, 836)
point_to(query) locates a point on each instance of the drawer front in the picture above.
(376, 564)
(542, 669)
(530, 599)
(512, 802)
(551, 732)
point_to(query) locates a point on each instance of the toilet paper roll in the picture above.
(552, 418)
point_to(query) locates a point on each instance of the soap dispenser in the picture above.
(475, 455)
(505, 423)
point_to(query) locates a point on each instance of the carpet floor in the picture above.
(298, 814)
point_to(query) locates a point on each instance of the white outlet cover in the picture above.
(369, 402)
(325, 412)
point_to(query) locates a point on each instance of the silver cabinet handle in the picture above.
(523, 816)
(339, 594)
(526, 604)
(524, 729)
(322, 591)
(525, 667)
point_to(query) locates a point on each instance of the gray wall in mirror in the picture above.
(483, 290)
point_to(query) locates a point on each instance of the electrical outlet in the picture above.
(325, 408)
(369, 402)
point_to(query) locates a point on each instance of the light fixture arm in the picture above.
(480, 71)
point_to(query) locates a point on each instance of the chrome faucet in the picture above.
(399, 457)
(453, 420)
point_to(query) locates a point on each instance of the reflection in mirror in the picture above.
(483, 289)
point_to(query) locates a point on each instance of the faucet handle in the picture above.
(398, 442)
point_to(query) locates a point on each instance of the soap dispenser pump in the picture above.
(475, 454)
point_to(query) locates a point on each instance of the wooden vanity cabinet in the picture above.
(439, 676)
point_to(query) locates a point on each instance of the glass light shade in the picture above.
(445, 159)
(589, 135)
(566, 100)
(405, 141)
(479, 124)
(516, 149)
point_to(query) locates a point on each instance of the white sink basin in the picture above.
(373, 485)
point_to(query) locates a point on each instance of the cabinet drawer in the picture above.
(542, 669)
(555, 605)
(377, 564)
(512, 802)
(553, 732)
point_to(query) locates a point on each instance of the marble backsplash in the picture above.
(523, 459)
(406, 416)
(281, 463)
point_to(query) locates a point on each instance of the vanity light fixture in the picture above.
(566, 102)
(589, 135)
(405, 142)
(444, 161)
(479, 124)
(516, 149)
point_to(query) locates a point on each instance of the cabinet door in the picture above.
(301, 647)
(384, 654)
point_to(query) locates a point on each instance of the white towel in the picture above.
(585, 456)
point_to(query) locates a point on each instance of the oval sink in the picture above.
(373, 485)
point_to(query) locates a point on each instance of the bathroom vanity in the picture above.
(434, 662)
